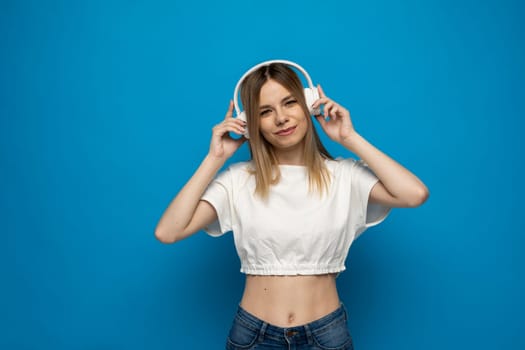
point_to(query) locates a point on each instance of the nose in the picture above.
(280, 117)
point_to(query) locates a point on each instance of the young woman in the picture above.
(294, 211)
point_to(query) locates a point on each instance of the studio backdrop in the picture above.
(106, 110)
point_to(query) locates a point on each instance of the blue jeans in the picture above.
(327, 333)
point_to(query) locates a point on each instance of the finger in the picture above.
(337, 110)
(333, 112)
(229, 113)
(328, 108)
(320, 101)
(221, 129)
(235, 125)
(322, 120)
(321, 91)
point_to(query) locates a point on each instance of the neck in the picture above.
(290, 157)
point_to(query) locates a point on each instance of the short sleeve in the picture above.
(363, 180)
(218, 194)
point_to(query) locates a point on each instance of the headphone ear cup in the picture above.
(242, 116)
(312, 95)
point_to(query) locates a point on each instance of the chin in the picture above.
(286, 144)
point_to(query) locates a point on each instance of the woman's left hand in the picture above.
(335, 120)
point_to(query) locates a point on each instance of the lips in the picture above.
(286, 132)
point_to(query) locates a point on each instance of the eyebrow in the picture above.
(283, 100)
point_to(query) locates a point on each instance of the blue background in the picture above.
(106, 110)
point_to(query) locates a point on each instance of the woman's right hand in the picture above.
(222, 145)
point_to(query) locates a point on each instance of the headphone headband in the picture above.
(262, 64)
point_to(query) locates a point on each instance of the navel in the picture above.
(291, 317)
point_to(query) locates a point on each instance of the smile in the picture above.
(286, 132)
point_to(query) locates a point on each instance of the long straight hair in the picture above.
(262, 152)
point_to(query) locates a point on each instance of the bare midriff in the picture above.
(288, 301)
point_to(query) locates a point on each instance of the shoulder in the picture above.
(235, 172)
(341, 165)
(241, 169)
(241, 166)
(356, 171)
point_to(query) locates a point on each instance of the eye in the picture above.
(290, 102)
(264, 112)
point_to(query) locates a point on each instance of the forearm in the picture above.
(182, 208)
(402, 184)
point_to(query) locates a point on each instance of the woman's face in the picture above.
(282, 121)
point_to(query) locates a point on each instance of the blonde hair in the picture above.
(262, 152)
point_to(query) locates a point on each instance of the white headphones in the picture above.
(310, 93)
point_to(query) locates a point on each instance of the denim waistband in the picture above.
(300, 334)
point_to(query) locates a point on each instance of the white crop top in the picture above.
(294, 231)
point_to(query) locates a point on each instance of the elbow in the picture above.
(164, 236)
(419, 197)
